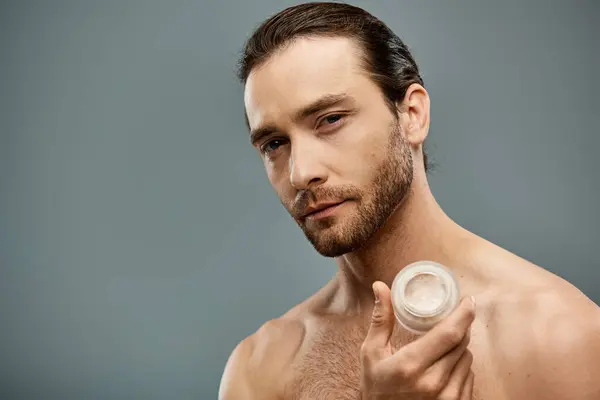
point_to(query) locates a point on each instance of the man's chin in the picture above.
(332, 247)
(331, 251)
(332, 239)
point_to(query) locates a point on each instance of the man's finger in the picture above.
(443, 337)
(467, 393)
(382, 319)
(458, 378)
(444, 368)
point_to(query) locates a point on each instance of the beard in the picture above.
(335, 236)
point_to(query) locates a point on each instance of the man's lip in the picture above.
(320, 207)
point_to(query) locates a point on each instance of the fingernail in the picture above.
(376, 294)
(473, 301)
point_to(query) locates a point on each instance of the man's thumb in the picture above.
(382, 319)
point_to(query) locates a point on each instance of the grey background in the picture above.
(139, 237)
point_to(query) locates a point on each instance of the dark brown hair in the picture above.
(385, 56)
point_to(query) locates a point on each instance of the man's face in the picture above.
(328, 139)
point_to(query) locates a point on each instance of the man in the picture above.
(339, 114)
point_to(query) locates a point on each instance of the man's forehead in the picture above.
(299, 75)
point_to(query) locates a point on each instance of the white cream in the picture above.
(425, 293)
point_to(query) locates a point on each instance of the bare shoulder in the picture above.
(260, 365)
(547, 342)
(256, 366)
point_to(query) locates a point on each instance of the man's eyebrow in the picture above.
(322, 103)
(257, 134)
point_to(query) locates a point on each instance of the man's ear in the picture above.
(415, 113)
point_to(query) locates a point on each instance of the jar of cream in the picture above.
(423, 293)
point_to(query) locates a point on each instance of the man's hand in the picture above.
(435, 366)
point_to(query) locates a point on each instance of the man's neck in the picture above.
(418, 230)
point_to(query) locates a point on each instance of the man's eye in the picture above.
(271, 145)
(332, 119)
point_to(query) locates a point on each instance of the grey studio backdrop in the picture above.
(139, 237)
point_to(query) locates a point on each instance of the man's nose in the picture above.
(307, 169)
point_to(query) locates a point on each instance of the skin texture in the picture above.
(532, 336)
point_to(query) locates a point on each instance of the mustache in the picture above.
(321, 194)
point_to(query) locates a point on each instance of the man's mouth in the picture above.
(322, 210)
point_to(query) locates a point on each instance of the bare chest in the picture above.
(328, 366)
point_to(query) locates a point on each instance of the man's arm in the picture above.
(236, 382)
(561, 357)
(569, 360)
(257, 365)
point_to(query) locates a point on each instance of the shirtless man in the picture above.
(339, 114)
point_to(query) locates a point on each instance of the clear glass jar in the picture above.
(423, 293)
